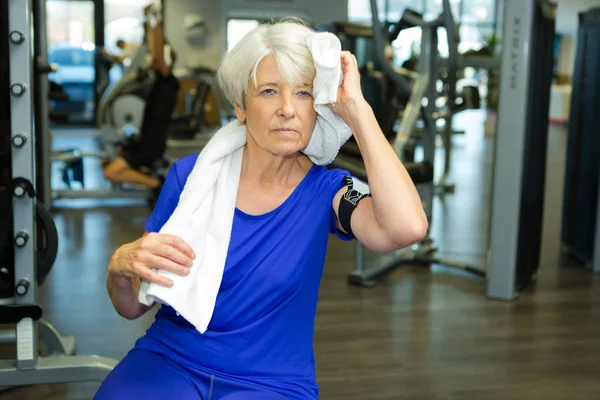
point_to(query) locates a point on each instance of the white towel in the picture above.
(330, 132)
(204, 215)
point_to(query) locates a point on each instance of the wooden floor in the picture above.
(419, 334)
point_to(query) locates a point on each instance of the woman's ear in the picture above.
(240, 113)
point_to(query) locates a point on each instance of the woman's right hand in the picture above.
(152, 251)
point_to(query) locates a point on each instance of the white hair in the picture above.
(284, 40)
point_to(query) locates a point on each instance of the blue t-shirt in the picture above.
(263, 321)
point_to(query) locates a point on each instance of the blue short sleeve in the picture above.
(171, 190)
(335, 183)
(167, 201)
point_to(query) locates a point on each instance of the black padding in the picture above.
(15, 313)
(421, 172)
(47, 243)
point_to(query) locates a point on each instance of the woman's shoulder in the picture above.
(183, 167)
(330, 173)
(327, 177)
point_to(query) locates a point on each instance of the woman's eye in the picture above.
(305, 94)
(268, 92)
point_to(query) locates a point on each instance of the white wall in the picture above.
(567, 24)
(216, 15)
(177, 13)
(316, 11)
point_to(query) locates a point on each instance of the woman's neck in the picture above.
(263, 167)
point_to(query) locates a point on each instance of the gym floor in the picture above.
(419, 334)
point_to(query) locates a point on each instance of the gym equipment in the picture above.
(46, 241)
(519, 169)
(520, 145)
(17, 185)
(119, 119)
(123, 104)
(389, 96)
(367, 273)
(580, 230)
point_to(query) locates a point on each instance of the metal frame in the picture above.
(509, 149)
(42, 109)
(176, 149)
(28, 368)
(424, 87)
(595, 262)
(596, 257)
(577, 226)
(23, 166)
(102, 119)
(506, 247)
(502, 261)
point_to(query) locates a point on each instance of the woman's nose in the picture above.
(286, 108)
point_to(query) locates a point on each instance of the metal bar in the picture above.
(353, 166)
(496, 13)
(382, 264)
(360, 258)
(596, 254)
(428, 66)
(402, 85)
(452, 71)
(57, 370)
(386, 9)
(484, 62)
(509, 149)
(23, 165)
(69, 156)
(8, 336)
(406, 72)
(100, 194)
(413, 19)
(411, 114)
(77, 133)
(44, 140)
(55, 343)
(99, 22)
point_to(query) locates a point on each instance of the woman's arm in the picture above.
(149, 31)
(123, 292)
(393, 217)
(134, 261)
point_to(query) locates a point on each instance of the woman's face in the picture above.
(279, 118)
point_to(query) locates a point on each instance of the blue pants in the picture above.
(146, 375)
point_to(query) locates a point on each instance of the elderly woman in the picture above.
(258, 344)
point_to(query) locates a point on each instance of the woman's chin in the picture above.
(287, 149)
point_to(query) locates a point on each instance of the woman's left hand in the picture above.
(349, 98)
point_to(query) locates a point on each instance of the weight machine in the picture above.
(580, 231)
(119, 119)
(512, 256)
(18, 305)
(394, 99)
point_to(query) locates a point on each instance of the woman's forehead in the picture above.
(269, 74)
